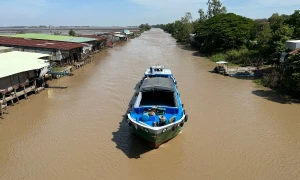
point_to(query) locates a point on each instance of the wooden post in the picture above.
(24, 89)
(3, 105)
(12, 99)
(1, 111)
(15, 87)
(35, 87)
(25, 94)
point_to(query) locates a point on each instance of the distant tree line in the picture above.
(244, 41)
(144, 27)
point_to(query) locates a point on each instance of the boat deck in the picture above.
(169, 112)
(154, 119)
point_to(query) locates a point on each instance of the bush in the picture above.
(272, 79)
(243, 57)
(238, 56)
(218, 57)
(292, 83)
(259, 81)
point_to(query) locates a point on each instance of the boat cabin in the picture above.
(158, 71)
(221, 67)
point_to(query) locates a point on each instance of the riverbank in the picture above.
(270, 77)
(56, 70)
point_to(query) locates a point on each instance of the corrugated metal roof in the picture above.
(39, 43)
(294, 52)
(53, 37)
(16, 62)
(95, 37)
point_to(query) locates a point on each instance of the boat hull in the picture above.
(156, 140)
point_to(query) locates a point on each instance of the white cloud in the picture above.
(168, 3)
(278, 3)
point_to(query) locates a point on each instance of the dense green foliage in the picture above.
(243, 41)
(144, 27)
(181, 29)
(224, 32)
(294, 21)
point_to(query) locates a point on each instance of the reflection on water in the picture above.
(236, 130)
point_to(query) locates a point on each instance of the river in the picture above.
(236, 130)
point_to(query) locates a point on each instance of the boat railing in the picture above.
(168, 110)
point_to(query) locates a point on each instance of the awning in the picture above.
(221, 62)
(16, 62)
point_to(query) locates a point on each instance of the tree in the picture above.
(202, 15)
(277, 42)
(214, 8)
(294, 21)
(170, 27)
(144, 27)
(291, 75)
(187, 18)
(183, 28)
(224, 32)
(276, 21)
(72, 33)
(260, 36)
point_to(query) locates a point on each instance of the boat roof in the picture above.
(157, 84)
(221, 62)
(158, 70)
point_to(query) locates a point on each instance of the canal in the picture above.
(236, 130)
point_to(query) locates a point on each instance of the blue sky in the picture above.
(125, 12)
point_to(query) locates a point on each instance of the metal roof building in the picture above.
(50, 37)
(56, 50)
(9, 41)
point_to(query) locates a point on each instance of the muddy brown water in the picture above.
(236, 130)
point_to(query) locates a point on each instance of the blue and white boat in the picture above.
(157, 114)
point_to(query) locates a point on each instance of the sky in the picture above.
(125, 12)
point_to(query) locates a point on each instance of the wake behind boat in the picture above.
(157, 114)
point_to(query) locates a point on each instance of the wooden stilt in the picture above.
(3, 104)
(24, 89)
(1, 112)
(12, 100)
(25, 94)
(35, 87)
(15, 87)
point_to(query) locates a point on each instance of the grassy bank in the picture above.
(241, 57)
(259, 81)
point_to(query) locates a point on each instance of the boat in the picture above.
(245, 74)
(221, 68)
(157, 114)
